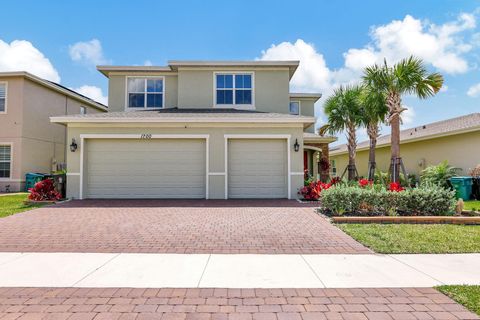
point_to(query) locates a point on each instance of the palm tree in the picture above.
(343, 110)
(409, 76)
(374, 112)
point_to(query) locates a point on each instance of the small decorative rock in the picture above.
(459, 207)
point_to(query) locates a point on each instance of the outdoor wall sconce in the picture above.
(73, 145)
(296, 146)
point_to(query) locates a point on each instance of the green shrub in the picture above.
(427, 200)
(438, 175)
(377, 200)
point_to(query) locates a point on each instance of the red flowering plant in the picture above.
(363, 183)
(44, 191)
(395, 187)
(335, 180)
(313, 190)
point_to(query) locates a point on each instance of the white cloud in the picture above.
(21, 55)
(312, 74)
(444, 88)
(440, 45)
(147, 63)
(474, 91)
(88, 52)
(408, 116)
(92, 92)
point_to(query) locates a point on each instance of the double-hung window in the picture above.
(145, 93)
(234, 89)
(3, 97)
(5, 161)
(295, 107)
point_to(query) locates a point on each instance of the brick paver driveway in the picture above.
(156, 226)
(226, 304)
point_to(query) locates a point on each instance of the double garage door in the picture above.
(176, 168)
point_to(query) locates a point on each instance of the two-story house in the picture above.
(29, 142)
(195, 129)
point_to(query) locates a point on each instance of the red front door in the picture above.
(305, 161)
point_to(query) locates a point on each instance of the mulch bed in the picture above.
(411, 220)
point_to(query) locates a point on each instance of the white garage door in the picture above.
(257, 168)
(156, 168)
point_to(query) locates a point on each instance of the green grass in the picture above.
(468, 296)
(472, 205)
(416, 238)
(12, 204)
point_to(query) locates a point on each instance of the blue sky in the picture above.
(64, 40)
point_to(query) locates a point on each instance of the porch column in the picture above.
(325, 158)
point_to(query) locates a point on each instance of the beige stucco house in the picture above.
(456, 140)
(29, 142)
(195, 129)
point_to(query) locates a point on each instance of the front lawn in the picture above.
(416, 238)
(12, 204)
(472, 205)
(468, 296)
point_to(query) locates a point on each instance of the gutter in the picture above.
(428, 137)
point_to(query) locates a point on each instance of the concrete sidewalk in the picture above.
(236, 271)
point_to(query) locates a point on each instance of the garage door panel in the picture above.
(257, 168)
(127, 168)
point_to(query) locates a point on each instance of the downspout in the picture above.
(65, 136)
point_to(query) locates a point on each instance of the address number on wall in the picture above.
(146, 136)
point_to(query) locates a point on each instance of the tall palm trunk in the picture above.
(352, 151)
(394, 104)
(372, 131)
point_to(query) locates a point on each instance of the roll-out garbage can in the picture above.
(462, 186)
(33, 177)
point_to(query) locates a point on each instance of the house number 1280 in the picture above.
(145, 136)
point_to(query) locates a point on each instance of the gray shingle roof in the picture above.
(184, 114)
(434, 129)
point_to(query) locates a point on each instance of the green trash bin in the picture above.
(31, 178)
(462, 186)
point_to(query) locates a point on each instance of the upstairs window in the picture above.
(234, 89)
(3, 97)
(83, 110)
(145, 93)
(5, 161)
(295, 107)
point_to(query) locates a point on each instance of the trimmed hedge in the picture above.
(376, 200)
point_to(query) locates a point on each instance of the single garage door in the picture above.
(257, 168)
(156, 168)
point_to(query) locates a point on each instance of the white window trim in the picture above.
(11, 160)
(299, 107)
(139, 137)
(144, 108)
(233, 106)
(6, 96)
(84, 110)
(286, 137)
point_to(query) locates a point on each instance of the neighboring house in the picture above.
(456, 140)
(194, 129)
(29, 142)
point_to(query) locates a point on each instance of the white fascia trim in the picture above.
(179, 120)
(216, 173)
(287, 137)
(139, 136)
(55, 87)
